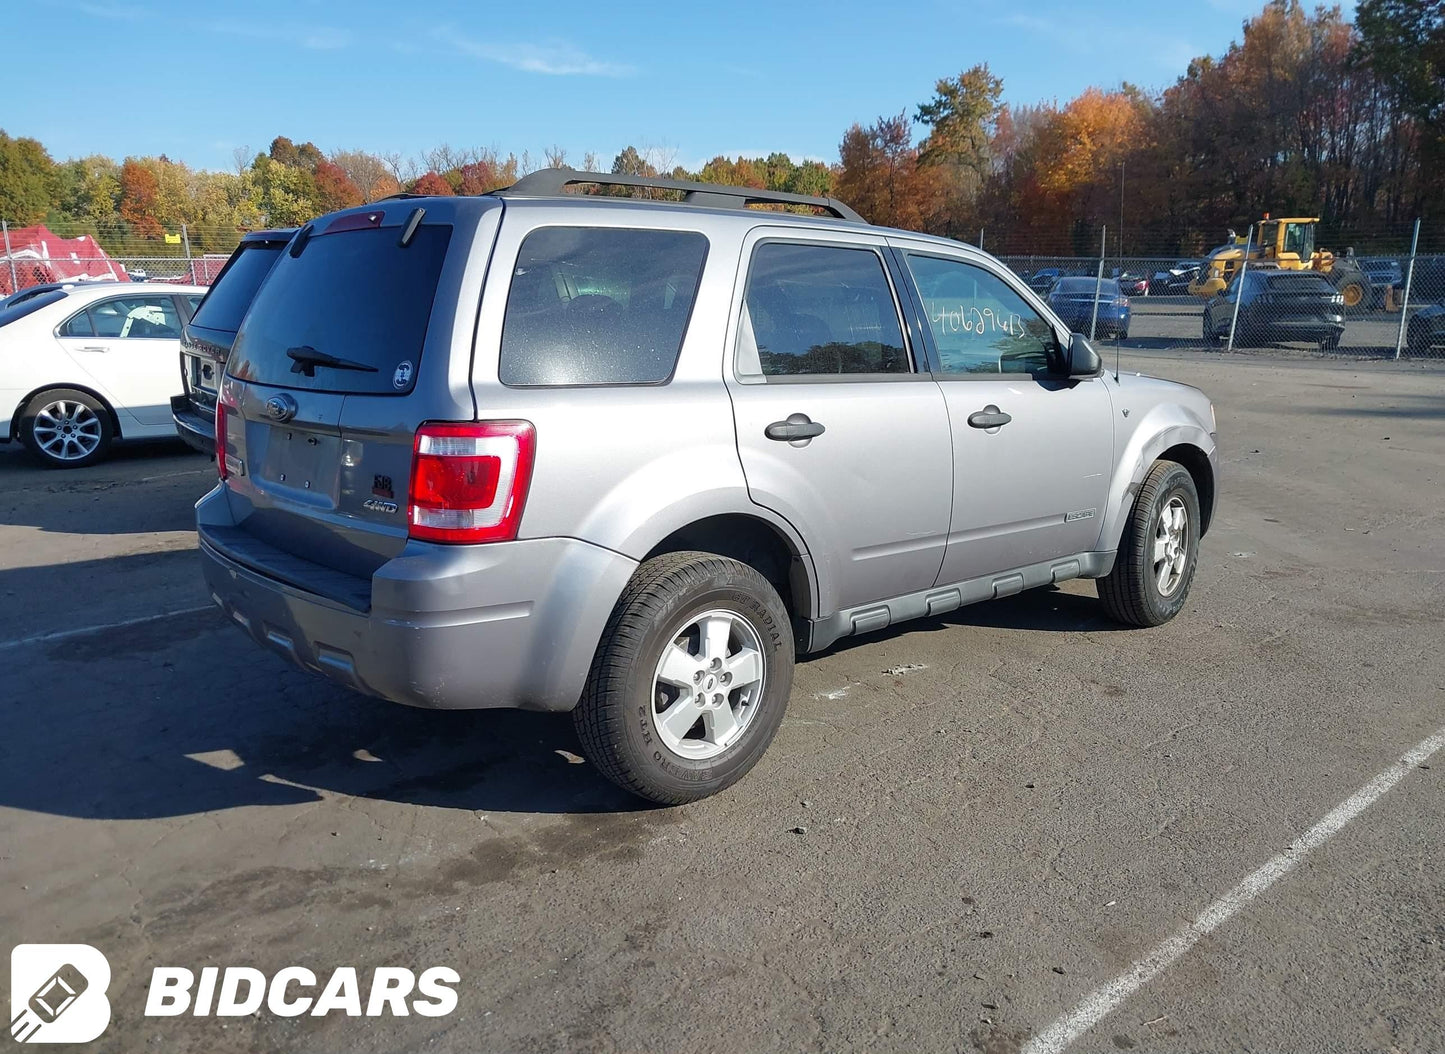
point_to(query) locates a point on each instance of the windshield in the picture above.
(355, 295)
(226, 302)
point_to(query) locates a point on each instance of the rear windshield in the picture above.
(1299, 283)
(599, 305)
(236, 286)
(355, 296)
(1108, 287)
(30, 305)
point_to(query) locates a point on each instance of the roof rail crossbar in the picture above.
(549, 182)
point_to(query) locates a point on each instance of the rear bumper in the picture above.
(509, 624)
(198, 430)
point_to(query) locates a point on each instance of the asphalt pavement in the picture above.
(970, 834)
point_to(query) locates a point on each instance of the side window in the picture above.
(817, 310)
(136, 317)
(78, 325)
(599, 305)
(980, 325)
(193, 301)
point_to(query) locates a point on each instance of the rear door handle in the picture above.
(797, 426)
(93, 347)
(989, 417)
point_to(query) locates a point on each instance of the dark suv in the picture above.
(206, 340)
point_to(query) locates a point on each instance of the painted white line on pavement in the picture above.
(1101, 1002)
(48, 638)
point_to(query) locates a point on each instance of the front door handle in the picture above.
(989, 417)
(797, 426)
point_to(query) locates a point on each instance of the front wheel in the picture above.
(64, 428)
(691, 678)
(1158, 552)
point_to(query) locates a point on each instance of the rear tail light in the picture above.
(469, 480)
(223, 409)
(1121, 301)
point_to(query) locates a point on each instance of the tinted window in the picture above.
(131, 318)
(819, 309)
(599, 305)
(1108, 287)
(1299, 283)
(979, 324)
(226, 301)
(355, 295)
(30, 305)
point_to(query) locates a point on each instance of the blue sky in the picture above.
(196, 80)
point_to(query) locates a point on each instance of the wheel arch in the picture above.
(760, 543)
(1177, 437)
(30, 397)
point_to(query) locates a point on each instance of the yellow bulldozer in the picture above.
(1288, 244)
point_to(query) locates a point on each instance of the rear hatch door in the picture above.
(207, 337)
(347, 348)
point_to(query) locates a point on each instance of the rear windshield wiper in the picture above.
(305, 359)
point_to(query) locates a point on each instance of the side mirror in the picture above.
(1083, 360)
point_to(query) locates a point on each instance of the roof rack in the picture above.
(548, 182)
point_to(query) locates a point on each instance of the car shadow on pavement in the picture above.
(184, 715)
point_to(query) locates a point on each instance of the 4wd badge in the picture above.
(402, 377)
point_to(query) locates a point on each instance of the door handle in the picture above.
(92, 347)
(797, 426)
(990, 417)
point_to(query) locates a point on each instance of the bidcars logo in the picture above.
(57, 993)
(239, 991)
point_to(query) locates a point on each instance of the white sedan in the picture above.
(85, 365)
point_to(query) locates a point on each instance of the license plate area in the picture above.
(302, 465)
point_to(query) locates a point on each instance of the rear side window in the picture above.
(817, 310)
(235, 287)
(355, 296)
(599, 305)
(30, 305)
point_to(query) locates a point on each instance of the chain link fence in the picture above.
(1383, 304)
(1398, 309)
(82, 252)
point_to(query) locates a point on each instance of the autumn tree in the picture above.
(334, 188)
(432, 183)
(139, 192)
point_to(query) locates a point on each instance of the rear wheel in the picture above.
(1158, 551)
(691, 678)
(1211, 337)
(64, 428)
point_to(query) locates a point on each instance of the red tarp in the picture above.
(40, 256)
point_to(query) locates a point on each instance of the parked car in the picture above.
(1174, 281)
(1132, 284)
(1382, 274)
(1277, 306)
(1073, 301)
(1042, 280)
(86, 365)
(1426, 329)
(206, 338)
(627, 458)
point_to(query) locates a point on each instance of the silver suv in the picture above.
(628, 457)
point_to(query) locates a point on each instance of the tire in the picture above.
(1353, 286)
(64, 428)
(1211, 338)
(620, 719)
(1132, 591)
(1331, 343)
